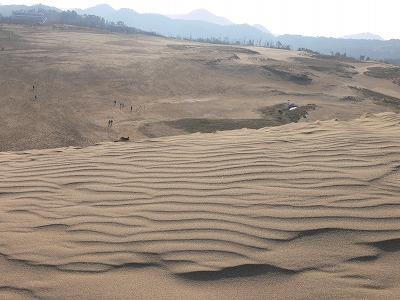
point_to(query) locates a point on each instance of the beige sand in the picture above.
(79, 74)
(300, 211)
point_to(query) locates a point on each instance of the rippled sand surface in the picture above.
(299, 211)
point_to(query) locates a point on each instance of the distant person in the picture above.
(111, 123)
(33, 87)
(35, 97)
(131, 108)
(115, 103)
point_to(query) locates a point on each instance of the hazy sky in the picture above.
(308, 17)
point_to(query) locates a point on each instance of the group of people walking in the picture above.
(122, 105)
(33, 88)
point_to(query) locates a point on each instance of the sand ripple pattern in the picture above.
(285, 200)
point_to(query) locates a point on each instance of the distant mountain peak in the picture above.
(262, 28)
(104, 6)
(363, 36)
(100, 10)
(203, 15)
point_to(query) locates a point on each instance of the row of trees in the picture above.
(335, 54)
(266, 44)
(244, 42)
(364, 58)
(72, 18)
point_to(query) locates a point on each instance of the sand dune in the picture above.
(78, 74)
(303, 210)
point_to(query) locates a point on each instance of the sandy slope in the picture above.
(79, 74)
(304, 210)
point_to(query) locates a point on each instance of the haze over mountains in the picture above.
(203, 15)
(196, 26)
(203, 28)
(364, 36)
(7, 10)
(262, 28)
(202, 24)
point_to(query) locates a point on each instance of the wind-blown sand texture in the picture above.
(298, 211)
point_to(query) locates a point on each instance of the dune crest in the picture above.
(311, 199)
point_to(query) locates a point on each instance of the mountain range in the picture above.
(201, 24)
(203, 15)
(188, 27)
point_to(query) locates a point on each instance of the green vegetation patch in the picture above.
(381, 72)
(180, 46)
(352, 99)
(239, 50)
(392, 73)
(213, 125)
(276, 115)
(328, 66)
(299, 78)
(378, 98)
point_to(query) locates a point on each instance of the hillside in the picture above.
(173, 87)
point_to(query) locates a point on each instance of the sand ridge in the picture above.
(278, 205)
